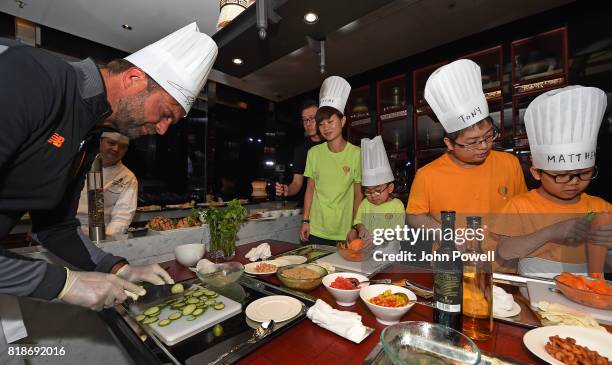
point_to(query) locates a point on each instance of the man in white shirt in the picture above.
(120, 186)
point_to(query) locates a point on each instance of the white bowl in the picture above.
(386, 315)
(189, 254)
(344, 298)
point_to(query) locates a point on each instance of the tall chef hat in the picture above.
(179, 62)
(454, 93)
(562, 127)
(375, 168)
(334, 92)
(116, 136)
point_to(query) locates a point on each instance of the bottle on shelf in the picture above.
(477, 289)
(448, 277)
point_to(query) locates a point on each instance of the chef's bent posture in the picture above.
(53, 113)
(120, 186)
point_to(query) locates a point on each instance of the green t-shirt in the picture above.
(334, 175)
(386, 215)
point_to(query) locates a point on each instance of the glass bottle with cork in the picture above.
(477, 287)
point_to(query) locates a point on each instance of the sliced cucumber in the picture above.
(140, 317)
(164, 322)
(198, 293)
(151, 311)
(177, 288)
(198, 312)
(150, 320)
(213, 295)
(201, 305)
(219, 306)
(170, 301)
(178, 305)
(210, 302)
(174, 316)
(193, 301)
(189, 309)
(191, 318)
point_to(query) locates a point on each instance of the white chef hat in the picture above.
(454, 93)
(116, 136)
(562, 127)
(334, 92)
(179, 62)
(375, 168)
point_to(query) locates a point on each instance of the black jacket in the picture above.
(48, 139)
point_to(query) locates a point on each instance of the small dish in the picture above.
(251, 268)
(345, 298)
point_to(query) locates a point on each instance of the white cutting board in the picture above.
(540, 292)
(367, 267)
(181, 328)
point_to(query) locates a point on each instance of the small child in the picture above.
(546, 228)
(380, 209)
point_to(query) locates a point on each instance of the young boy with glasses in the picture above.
(380, 210)
(546, 229)
(470, 178)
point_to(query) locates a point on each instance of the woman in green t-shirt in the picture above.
(333, 191)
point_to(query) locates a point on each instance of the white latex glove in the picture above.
(153, 274)
(96, 290)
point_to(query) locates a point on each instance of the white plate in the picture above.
(516, 309)
(277, 307)
(595, 340)
(292, 259)
(250, 268)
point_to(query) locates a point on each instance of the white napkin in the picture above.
(205, 266)
(260, 252)
(11, 321)
(502, 301)
(342, 323)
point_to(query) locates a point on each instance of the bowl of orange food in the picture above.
(388, 303)
(592, 292)
(355, 250)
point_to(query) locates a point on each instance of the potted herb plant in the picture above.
(223, 224)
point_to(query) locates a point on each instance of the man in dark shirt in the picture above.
(53, 113)
(297, 186)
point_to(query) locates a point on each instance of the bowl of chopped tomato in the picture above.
(344, 287)
(592, 292)
(384, 302)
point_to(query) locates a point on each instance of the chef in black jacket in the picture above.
(297, 187)
(53, 113)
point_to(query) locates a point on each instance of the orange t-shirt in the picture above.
(530, 212)
(443, 185)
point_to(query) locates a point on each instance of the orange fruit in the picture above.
(356, 245)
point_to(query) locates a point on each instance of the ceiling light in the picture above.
(237, 61)
(311, 18)
(126, 27)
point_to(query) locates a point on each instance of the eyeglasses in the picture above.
(309, 119)
(487, 140)
(375, 193)
(565, 178)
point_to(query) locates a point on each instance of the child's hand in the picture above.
(364, 234)
(305, 232)
(569, 231)
(352, 234)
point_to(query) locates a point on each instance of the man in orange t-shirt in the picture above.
(546, 228)
(469, 178)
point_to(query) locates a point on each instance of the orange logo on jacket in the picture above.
(56, 140)
(346, 169)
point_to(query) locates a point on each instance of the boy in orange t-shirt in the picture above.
(546, 229)
(469, 178)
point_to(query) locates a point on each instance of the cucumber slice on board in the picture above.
(177, 288)
(151, 311)
(189, 309)
(174, 316)
(164, 322)
(219, 306)
(150, 320)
